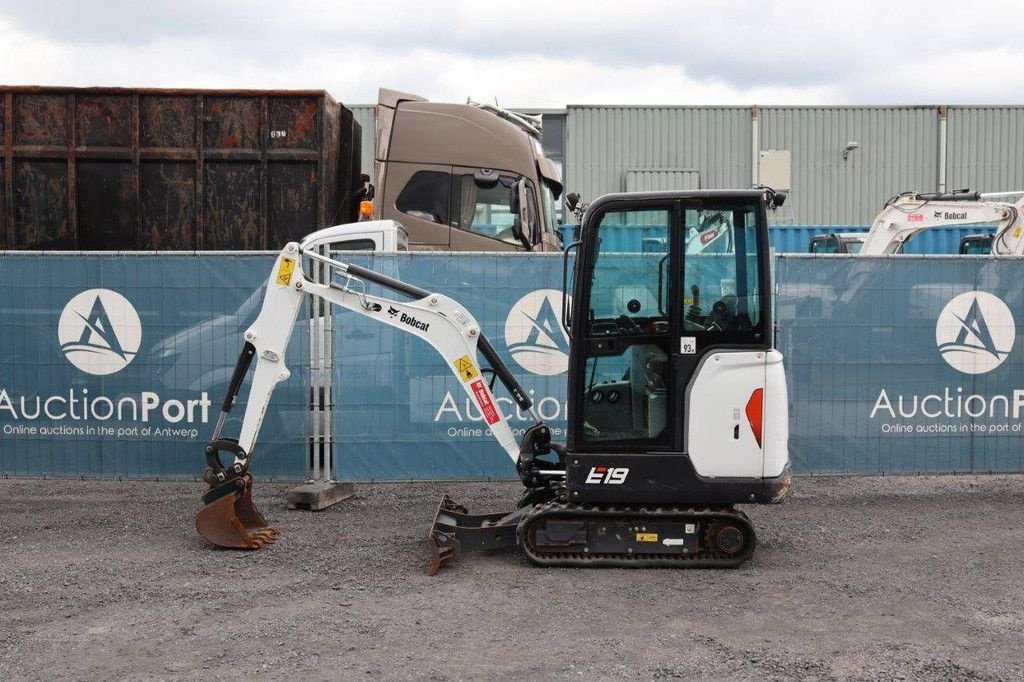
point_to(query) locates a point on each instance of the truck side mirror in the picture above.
(518, 204)
(514, 202)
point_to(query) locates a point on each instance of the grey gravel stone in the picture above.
(853, 578)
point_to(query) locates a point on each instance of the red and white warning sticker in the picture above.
(483, 399)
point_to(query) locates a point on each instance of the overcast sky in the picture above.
(542, 54)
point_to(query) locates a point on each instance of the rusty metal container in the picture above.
(147, 169)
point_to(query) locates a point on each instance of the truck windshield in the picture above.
(548, 197)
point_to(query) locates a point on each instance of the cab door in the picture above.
(720, 361)
(670, 331)
(624, 330)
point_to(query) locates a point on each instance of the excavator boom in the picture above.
(230, 518)
(907, 215)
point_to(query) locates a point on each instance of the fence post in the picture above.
(321, 489)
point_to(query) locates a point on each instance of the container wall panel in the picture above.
(232, 123)
(294, 123)
(364, 115)
(898, 152)
(167, 122)
(346, 174)
(5, 239)
(291, 204)
(936, 242)
(168, 206)
(232, 211)
(41, 218)
(985, 148)
(106, 215)
(40, 120)
(103, 121)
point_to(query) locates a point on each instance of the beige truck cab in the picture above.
(464, 177)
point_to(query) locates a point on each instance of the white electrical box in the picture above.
(773, 169)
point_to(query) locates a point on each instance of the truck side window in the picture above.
(425, 196)
(483, 207)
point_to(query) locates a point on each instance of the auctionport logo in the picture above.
(534, 333)
(99, 332)
(975, 332)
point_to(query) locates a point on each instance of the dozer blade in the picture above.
(455, 531)
(232, 520)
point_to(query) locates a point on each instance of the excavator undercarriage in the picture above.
(565, 534)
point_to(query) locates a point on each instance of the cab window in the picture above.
(825, 244)
(721, 282)
(627, 377)
(426, 196)
(354, 245)
(481, 200)
(629, 292)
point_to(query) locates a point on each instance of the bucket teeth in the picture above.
(234, 522)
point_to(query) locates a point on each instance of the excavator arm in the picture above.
(230, 519)
(907, 215)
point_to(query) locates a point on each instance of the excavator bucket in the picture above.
(232, 519)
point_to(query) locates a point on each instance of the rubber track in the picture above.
(701, 559)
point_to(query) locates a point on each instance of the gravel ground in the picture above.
(853, 578)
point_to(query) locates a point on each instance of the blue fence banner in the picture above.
(903, 364)
(399, 413)
(115, 365)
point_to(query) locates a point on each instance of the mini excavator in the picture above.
(677, 410)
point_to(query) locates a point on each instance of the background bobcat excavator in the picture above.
(676, 412)
(906, 215)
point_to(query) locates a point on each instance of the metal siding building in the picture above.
(605, 143)
(985, 147)
(364, 115)
(898, 152)
(900, 148)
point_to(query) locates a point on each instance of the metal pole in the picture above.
(942, 148)
(755, 145)
(327, 368)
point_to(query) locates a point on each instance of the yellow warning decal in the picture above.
(1017, 233)
(466, 369)
(284, 273)
(646, 537)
